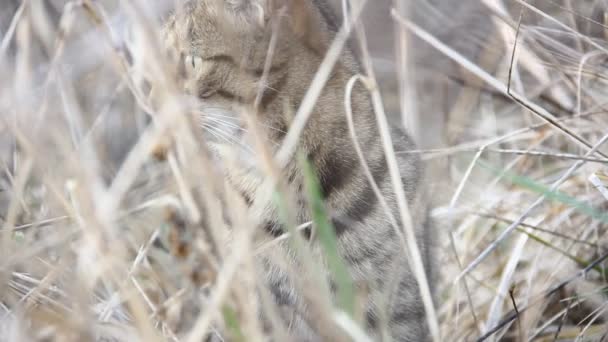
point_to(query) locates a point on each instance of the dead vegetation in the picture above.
(104, 192)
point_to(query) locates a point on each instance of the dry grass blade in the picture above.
(529, 209)
(507, 319)
(503, 88)
(117, 222)
(410, 245)
(316, 87)
(499, 86)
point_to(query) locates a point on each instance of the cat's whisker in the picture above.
(225, 128)
(225, 123)
(220, 115)
(228, 138)
(205, 116)
(274, 128)
(218, 133)
(214, 134)
(217, 123)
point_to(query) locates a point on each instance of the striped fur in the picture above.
(226, 44)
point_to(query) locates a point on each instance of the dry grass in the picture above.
(111, 228)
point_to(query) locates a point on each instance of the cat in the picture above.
(223, 47)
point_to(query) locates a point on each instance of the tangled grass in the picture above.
(102, 188)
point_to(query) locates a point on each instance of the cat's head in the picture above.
(223, 48)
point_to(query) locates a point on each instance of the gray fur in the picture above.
(232, 40)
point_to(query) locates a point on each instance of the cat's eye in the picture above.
(193, 64)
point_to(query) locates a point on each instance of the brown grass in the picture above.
(104, 190)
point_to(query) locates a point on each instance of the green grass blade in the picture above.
(556, 196)
(233, 324)
(327, 238)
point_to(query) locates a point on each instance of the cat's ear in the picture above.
(299, 15)
(306, 22)
(244, 13)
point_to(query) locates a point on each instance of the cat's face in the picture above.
(221, 48)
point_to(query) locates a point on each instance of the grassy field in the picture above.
(103, 190)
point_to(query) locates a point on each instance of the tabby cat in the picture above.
(225, 45)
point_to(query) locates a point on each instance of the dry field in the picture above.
(102, 189)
